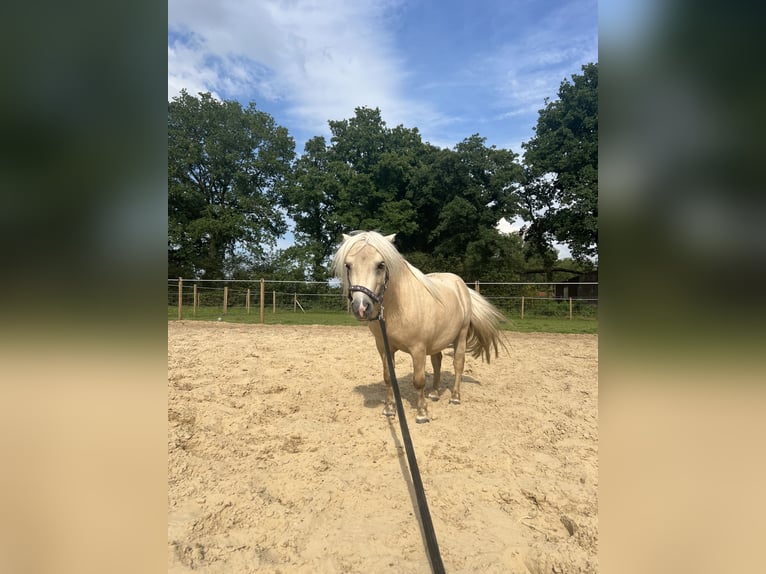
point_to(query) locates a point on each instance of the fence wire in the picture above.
(211, 298)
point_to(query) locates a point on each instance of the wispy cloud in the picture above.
(531, 67)
(517, 74)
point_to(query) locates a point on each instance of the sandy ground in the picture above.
(280, 459)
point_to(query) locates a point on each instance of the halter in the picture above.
(374, 296)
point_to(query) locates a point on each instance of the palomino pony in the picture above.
(424, 314)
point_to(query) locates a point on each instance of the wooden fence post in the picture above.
(225, 299)
(194, 301)
(570, 308)
(180, 297)
(522, 306)
(273, 301)
(295, 302)
(263, 295)
(476, 287)
(247, 301)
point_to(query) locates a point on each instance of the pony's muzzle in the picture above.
(362, 306)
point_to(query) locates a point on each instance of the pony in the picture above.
(424, 314)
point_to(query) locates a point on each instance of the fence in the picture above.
(210, 298)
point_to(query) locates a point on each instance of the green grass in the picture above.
(552, 325)
(287, 317)
(281, 317)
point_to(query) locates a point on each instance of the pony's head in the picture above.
(365, 262)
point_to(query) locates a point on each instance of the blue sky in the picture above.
(450, 68)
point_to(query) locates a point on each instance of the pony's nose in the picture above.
(360, 306)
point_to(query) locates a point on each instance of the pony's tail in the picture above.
(483, 332)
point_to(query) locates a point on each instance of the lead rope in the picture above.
(428, 527)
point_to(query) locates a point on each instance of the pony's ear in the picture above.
(346, 237)
(390, 238)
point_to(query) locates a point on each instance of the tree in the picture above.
(560, 194)
(481, 191)
(442, 204)
(459, 195)
(226, 169)
(359, 181)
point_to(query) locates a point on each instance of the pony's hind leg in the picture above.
(459, 364)
(436, 362)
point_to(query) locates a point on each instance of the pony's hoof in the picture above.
(454, 401)
(434, 396)
(422, 419)
(390, 413)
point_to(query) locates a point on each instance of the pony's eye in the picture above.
(381, 266)
(348, 266)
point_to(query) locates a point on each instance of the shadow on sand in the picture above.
(375, 393)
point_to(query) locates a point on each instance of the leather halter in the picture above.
(372, 295)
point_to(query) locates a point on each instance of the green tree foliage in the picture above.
(442, 204)
(466, 191)
(560, 194)
(226, 169)
(359, 181)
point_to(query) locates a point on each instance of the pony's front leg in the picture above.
(419, 379)
(389, 410)
(436, 363)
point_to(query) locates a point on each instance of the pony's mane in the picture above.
(391, 257)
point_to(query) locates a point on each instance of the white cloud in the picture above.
(186, 70)
(515, 225)
(322, 59)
